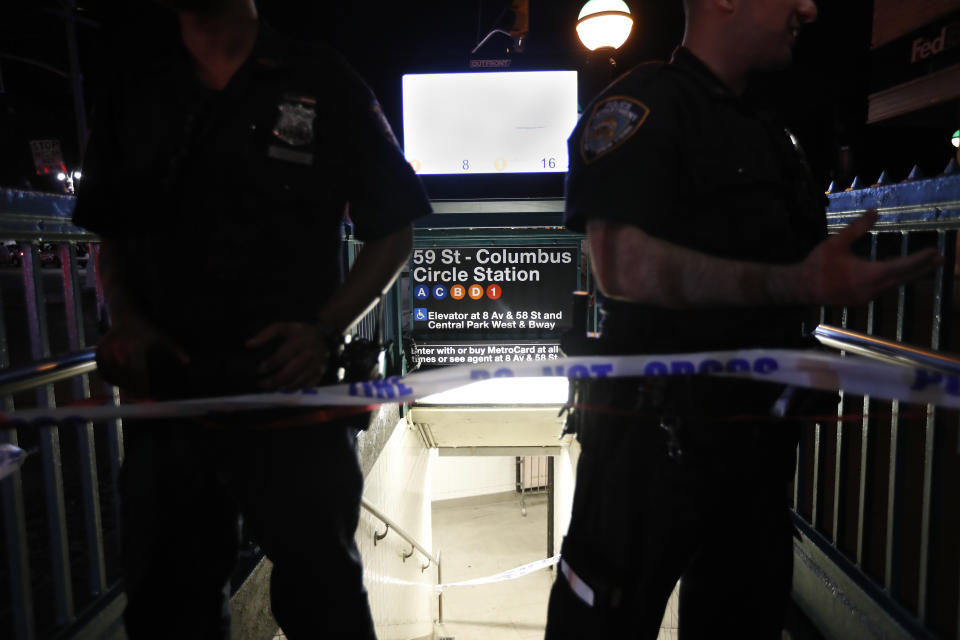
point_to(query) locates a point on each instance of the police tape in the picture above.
(812, 369)
(510, 574)
(11, 459)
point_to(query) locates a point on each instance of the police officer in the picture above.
(705, 232)
(224, 278)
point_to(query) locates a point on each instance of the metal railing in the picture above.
(886, 350)
(47, 372)
(78, 578)
(41, 376)
(535, 475)
(390, 524)
(60, 563)
(875, 491)
(532, 478)
(907, 355)
(59, 515)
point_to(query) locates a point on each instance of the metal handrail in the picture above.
(403, 534)
(880, 349)
(416, 545)
(47, 371)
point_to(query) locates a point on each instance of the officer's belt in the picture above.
(592, 596)
(707, 396)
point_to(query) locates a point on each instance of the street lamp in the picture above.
(604, 24)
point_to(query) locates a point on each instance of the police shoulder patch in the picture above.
(612, 122)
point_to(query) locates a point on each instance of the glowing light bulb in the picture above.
(604, 23)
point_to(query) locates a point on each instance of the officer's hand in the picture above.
(122, 354)
(832, 274)
(299, 357)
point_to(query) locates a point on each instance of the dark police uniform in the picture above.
(227, 206)
(671, 482)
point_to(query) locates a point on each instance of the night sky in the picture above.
(822, 97)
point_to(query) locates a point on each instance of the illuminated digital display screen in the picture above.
(499, 122)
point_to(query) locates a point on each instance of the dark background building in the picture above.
(824, 96)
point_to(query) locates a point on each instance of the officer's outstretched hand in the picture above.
(299, 357)
(833, 274)
(123, 352)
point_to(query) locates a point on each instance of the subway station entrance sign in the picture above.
(455, 353)
(491, 299)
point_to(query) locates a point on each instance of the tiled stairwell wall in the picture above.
(401, 595)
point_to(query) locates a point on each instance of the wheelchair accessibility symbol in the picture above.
(420, 314)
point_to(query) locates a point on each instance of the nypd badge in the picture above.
(612, 122)
(295, 123)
